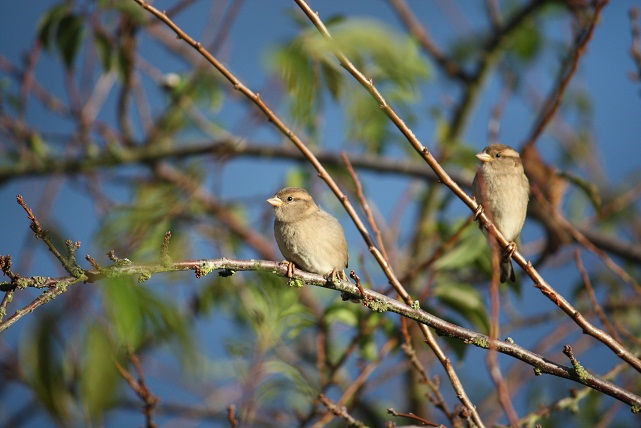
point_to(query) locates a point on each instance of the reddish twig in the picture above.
(418, 31)
(358, 383)
(503, 391)
(231, 416)
(357, 280)
(598, 310)
(412, 416)
(565, 75)
(365, 205)
(582, 240)
(635, 49)
(340, 411)
(140, 387)
(67, 262)
(435, 396)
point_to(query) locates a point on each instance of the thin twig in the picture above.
(340, 411)
(503, 391)
(231, 416)
(421, 34)
(412, 416)
(539, 281)
(140, 387)
(435, 397)
(357, 384)
(368, 212)
(598, 310)
(582, 240)
(42, 234)
(565, 75)
(635, 49)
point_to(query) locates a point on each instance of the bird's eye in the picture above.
(498, 155)
(289, 199)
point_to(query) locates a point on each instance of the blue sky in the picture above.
(603, 72)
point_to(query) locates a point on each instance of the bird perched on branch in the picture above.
(502, 189)
(307, 236)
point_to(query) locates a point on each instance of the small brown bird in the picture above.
(501, 187)
(307, 236)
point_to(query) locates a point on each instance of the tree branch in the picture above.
(445, 178)
(373, 300)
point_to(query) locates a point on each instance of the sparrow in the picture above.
(502, 188)
(307, 236)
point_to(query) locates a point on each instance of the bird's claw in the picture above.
(290, 268)
(509, 251)
(335, 275)
(477, 212)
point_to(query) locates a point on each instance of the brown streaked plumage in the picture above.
(501, 187)
(307, 236)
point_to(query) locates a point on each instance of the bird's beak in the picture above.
(483, 157)
(275, 201)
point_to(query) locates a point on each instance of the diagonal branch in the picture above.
(539, 281)
(565, 75)
(280, 125)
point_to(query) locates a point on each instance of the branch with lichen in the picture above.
(445, 178)
(373, 300)
(376, 302)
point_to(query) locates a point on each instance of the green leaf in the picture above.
(334, 80)
(45, 368)
(105, 51)
(308, 67)
(124, 309)
(129, 8)
(466, 301)
(136, 313)
(386, 53)
(469, 249)
(50, 22)
(340, 312)
(296, 69)
(69, 36)
(367, 348)
(526, 41)
(296, 177)
(368, 122)
(99, 378)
